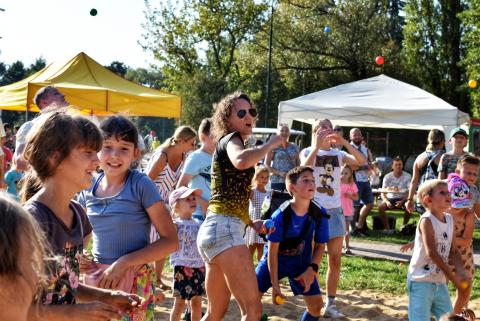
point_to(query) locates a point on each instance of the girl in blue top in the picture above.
(121, 206)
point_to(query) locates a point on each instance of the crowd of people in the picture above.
(92, 233)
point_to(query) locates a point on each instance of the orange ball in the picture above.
(279, 300)
(463, 285)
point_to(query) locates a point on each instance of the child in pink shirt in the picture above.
(348, 194)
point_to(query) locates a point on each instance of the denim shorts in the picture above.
(426, 299)
(219, 233)
(285, 270)
(336, 223)
(365, 194)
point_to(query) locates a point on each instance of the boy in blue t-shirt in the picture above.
(289, 252)
(14, 175)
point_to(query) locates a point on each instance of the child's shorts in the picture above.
(426, 299)
(188, 282)
(264, 282)
(349, 218)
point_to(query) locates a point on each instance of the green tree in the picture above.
(15, 72)
(197, 47)
(118, 67)
(396, 20)
(148, 77)
(432, 48)
(471, 39)
(38, 65)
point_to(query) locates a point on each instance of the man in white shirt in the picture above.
(394, 193)
(365, 193)
(46, 98)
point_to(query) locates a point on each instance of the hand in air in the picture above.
(277, 140)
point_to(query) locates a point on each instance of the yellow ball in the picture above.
(472, 83)
(279, 300)
(464, 285)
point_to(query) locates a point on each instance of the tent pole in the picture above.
(267, 91)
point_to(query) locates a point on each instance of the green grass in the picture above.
(358, 273)
(388, 276)
(398, 238)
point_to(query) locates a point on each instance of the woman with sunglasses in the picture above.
(220, 238)
(164, 168)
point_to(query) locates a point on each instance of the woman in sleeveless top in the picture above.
(435, 149)
(229, 265)
(164, 168)
(282, 159)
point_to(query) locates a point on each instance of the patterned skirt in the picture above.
(144, 285)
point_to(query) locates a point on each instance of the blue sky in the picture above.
(56, 29)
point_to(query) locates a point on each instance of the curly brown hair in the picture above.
(223, 110)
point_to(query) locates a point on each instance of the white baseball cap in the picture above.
(182, 192)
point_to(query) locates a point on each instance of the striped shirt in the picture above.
(167, 178)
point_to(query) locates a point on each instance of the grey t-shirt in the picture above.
(67, 246)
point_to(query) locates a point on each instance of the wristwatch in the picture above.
(314, 267)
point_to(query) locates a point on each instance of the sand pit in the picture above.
(356, 305)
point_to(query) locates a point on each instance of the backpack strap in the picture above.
(287, 213)
(315, 214)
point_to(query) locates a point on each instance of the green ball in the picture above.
(93, 12)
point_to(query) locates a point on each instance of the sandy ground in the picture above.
(356, 305)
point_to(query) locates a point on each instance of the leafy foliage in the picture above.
(471, 21)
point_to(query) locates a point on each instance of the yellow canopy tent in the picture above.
(92, 88)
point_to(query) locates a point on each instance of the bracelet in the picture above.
(314, 267)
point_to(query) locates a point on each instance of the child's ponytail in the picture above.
(30, 184)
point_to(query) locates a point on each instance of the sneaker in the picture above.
(357, 233)
(364, 230)
(332, 312)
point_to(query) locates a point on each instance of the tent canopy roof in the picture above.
(379, 101)
(91, 87)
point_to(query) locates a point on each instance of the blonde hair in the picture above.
(350, 179)
(223, 110)
(19, 232)
(436, 140)
(182, 133)
(427, 188)
(259, 169)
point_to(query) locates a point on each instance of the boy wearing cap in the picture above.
(188, 265)
(448, 162)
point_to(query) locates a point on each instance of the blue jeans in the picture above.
(426, 299)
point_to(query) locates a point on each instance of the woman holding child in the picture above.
(229, 266)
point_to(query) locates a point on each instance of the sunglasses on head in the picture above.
(243, 112)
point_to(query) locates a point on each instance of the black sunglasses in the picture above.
(243, 112)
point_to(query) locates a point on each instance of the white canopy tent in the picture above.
(381, 102)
